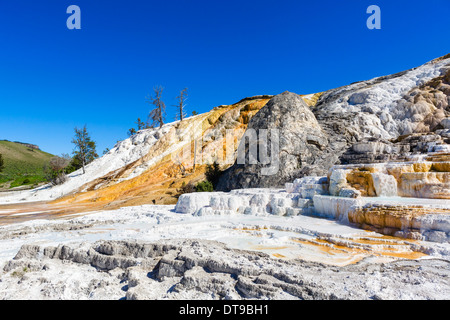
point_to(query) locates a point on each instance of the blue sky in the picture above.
(53, 79)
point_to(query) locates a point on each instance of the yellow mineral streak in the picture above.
(422, 166)
(399, 170)
(311, 99)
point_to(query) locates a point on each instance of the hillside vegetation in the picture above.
(23, 165)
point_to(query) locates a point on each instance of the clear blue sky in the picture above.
(53, 79)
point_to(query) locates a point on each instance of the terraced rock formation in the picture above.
(193, 269)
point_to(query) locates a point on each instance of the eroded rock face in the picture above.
(194, 269)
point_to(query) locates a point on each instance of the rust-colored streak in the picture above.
(386, 246)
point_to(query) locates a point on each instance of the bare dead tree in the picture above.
(181, 104)
(156, 117)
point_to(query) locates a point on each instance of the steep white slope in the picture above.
(123, 153)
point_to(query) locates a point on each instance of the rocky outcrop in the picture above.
(298, 148)
(28, 145)
(380, 120)
(399, 149)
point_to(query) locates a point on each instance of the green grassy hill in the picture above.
(23, 165)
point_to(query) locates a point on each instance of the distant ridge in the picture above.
(26, 144)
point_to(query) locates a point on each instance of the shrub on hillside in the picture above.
(54, 171)
(2, 163)
(204, 186)
(186, 188)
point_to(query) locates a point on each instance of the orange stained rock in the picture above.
(422, 166)
(44, 210)
(397, 171)
(362, 181)
(390, 218)
(154, 186)
(441, 166)
(435, 185)
(376, 248)
(438, 157)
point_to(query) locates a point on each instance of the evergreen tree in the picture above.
(131, 132)
(74, 165)
(140, 124)
(156, 117)
(213, 173)
(85, 148)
